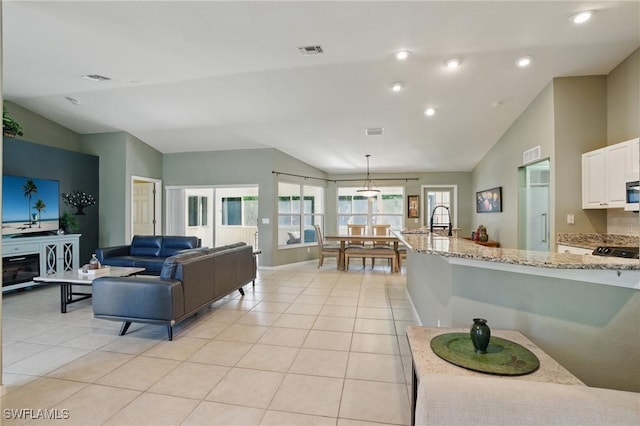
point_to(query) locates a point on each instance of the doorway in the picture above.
(440, 195)
(216, 215)
(146, 205)
(534, 221)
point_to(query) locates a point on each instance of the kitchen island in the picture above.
(582, 310)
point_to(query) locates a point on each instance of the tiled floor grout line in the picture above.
(337, 286)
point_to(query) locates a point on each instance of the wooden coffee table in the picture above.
(68, 279)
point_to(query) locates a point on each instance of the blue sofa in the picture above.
(146, 251)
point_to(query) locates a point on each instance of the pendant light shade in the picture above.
(369, 190)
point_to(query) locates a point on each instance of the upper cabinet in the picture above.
(634, 158)
(604, 174)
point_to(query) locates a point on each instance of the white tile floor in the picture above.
(302, 347)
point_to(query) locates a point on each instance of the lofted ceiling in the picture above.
(201, 76)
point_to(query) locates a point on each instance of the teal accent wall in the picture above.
(75, 171)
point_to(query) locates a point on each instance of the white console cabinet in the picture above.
(57, 253)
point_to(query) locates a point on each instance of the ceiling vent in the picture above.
(72, 100)
(96, 77)
(310, 50)
(374, 131)
(530, 155)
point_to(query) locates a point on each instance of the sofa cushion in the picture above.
(145, 245)
(173, 244)
(170, 264)
(126, 261)
(152, 265)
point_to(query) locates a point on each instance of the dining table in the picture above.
(344, 240)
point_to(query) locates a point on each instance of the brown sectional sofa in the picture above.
(189, 281)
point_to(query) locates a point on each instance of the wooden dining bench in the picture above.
(374, 253)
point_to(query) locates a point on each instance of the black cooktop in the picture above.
(626, 252)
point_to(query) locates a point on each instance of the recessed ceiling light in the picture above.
(452, 63)
(525, 61)
(95, 77)
(582, 17)
(429, 112)
(402, 55)
(397, 86)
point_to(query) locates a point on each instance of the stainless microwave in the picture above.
(633, 196)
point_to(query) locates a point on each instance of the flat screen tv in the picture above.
(30, 205)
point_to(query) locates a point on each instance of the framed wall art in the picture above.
(413, 206)
(489, 200)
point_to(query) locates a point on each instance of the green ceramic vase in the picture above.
(480, 335)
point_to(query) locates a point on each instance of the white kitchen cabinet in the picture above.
(633, 168)
(594, 189)
(604, 175)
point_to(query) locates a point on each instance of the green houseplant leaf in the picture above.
(69, 222)
(10, 127)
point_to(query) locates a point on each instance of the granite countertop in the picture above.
(427, 362)
(421, 241)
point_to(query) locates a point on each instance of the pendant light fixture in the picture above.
(368, 190)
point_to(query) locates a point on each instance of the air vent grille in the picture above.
(374, 131)
(96, 77)
(310, 50)
(530, 155)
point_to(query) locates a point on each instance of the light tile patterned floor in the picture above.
(302, 347)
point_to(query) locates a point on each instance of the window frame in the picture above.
(243, 200)
(372, 215)
(306, 218)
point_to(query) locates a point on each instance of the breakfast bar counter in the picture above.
(582, 310)
(596, 269)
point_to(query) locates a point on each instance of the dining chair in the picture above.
(327, 249)
(380, 231)
(356, 230)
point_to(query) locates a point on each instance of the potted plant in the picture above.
(10, 127)
(69, 223)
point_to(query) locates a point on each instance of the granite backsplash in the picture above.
(591, 241)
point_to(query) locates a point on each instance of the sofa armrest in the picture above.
(138, 297)
(103, 253)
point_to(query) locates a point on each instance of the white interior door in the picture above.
(143, 207)
(199, 215)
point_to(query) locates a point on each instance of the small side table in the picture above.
(426, 362)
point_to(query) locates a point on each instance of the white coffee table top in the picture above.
(74, 277)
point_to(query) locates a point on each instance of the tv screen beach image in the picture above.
(29, 205)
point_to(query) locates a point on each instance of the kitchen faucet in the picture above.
(433, 213)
